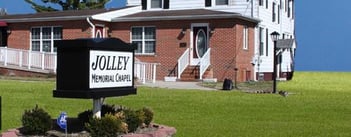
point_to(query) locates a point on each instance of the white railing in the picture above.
(183, 62)
(145, 72)
(205, 62)
(28, 59)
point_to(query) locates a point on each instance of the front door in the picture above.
(199, 44)
(99, 31)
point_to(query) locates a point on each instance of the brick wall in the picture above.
(20, 32)
(225, 43)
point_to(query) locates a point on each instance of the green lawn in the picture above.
(319, 105)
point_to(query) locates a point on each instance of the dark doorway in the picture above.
(3, 36)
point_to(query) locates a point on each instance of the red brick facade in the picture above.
(226, 42)
(20, 32)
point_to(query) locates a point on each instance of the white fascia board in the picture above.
(108, 16)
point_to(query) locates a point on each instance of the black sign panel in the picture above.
(94, 68)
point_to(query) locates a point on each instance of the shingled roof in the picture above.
(189, 14)
(55, 16)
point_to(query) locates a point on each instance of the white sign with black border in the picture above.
(110, 69)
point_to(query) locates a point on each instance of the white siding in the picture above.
(186, 4)
(133, 2)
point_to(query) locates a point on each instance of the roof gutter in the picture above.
(185, 17)
(44, 19)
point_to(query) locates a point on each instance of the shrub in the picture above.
(85, 116)
(36, 121)
(107, 126)
(149, 115)
(134, 119)
(108, 109)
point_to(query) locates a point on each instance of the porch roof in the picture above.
(56, 16)
(189, 14)
(285, 43)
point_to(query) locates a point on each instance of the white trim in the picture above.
(41, 39)
(143, 39)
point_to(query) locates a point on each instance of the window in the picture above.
(281, 4)
(145, 38)
(42, 38)
(245, 37)
(273, 12)
(208, 3)
(156, 3)
(221, 2)
(260, 2)
(267, 35)
(261, 41)
(266, 4)
(278, 14)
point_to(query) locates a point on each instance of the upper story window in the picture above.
(221, 2)
(145, 38)
(273, 12)
(261, 50)
(155, 4)
(42, 38)
(246, 38)
(260, 2)
(266, 4)
(209, 3)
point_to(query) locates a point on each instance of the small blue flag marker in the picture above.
(62, 122)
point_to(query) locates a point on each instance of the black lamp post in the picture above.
(274, 36)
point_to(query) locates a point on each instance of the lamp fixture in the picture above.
(183, 31)
(275, 36)
(212, 30)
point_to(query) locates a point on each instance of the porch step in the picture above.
(191, 73)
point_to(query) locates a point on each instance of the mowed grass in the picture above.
(319, 105)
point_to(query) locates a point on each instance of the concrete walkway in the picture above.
(177, 85)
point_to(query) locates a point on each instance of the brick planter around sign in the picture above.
(156, 131)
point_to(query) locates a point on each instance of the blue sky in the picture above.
(322, 30)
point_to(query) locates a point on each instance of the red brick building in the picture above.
(162, 37)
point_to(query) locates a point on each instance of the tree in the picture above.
(68, 5)
(3, 12)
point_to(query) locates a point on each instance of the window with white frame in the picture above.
(261, 50)
(273, 12)
(42, 38)
(260, 2)
(246, 38)
(156, 4)
(221, 2)
(145, 39)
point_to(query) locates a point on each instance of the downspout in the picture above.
(92, 26)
